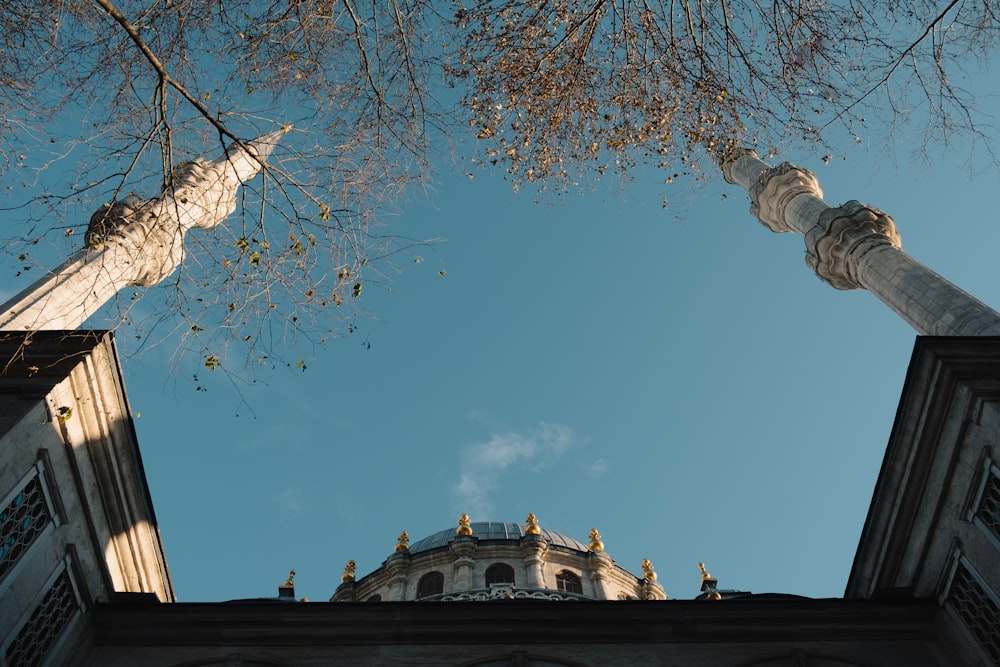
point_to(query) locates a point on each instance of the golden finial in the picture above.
(464, 525)
(288, 582)
(403, 543)
(595, 541)
(532, 527)
(348, 575)
(647, 570)
(708, 583)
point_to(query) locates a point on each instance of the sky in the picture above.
(676, 378)
(679, 380)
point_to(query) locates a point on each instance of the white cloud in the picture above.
(483, 464)
(597, 468)
(289, 500)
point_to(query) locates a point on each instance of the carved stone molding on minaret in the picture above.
(136, 242)
(131, 234)
(774, 191)
(844, 233)
(856, 246)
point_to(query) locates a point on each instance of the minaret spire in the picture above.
(855, 246)
(134, 242)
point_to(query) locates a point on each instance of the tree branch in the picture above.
(895, 65)
(161, 71)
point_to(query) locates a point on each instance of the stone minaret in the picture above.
(856, 246)
(134, 242)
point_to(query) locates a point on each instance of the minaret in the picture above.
(857, 247)
(138, 243)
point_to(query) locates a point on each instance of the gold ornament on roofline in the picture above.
(532, 527)
(288, 582)
(464, 525)
(595, 541)
(348, 575)
(403, 543)
(708, 584)
(647, 570)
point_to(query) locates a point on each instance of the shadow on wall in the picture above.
(78, 521)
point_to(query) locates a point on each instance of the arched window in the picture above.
(569, 582)
(499, 574)
(431, 583)
(374, 598)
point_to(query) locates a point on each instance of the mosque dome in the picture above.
(490, 531)
(489, 560)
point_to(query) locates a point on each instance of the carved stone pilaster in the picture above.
(844, 234)
(599, 565)
(344, 593)
(774, 191)
(534, 547)
(650, 590)
(463, 547)
(398, 567)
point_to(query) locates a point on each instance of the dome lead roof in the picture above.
(494, 530)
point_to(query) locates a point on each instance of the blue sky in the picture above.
(677, 379)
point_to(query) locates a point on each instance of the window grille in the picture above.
(499, 574)
(569, 582)
(21, 522)
(988, 511)
(46, 623)
(431, 583)
(977, 609)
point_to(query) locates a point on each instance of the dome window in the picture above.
(499, 574)
(569, 582)
(431, 583)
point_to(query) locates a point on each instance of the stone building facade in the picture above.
(493, 560)
(933, 528)
(77, 520)
(83, 578)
